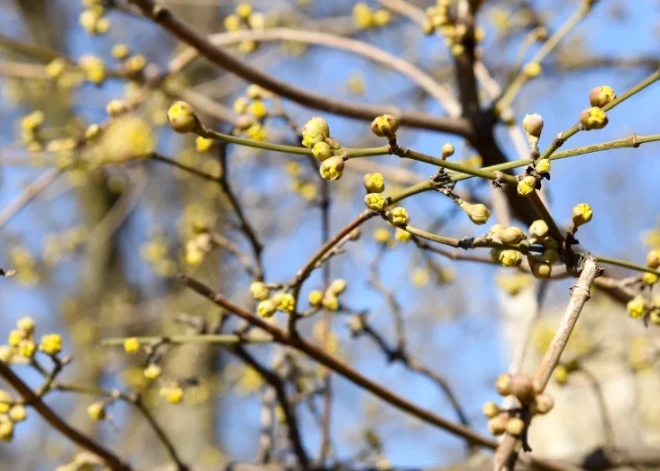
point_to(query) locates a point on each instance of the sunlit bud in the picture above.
(511, 235)
(516, 426)
(402, 235)
(653, 259)
(382, 235)
(582, 214)
(232, 23)
(385, 126)
(538, 230)
(315, 131)
(172, 393)
(504, 383)
(541, 270)
(542, 166)
(287, 303)
(92, 131)
(51, 344)
(593, 118)
(532, 70)
(381, 17)
(374, 182)
(203, 144)
(533, 126)
(266, 308)
(550, 255)
(654, 317)
(649, 279)
(18, 413)
(497, 425)
(152, 371)
(259, 291)
(330, 302)
(182, 118)
(375, 201)
(332, 168)
(322, 151)
(636, 307)
(27, 348)
(94, 68)
(257, 21)
(25, 326)
(131, 345)
(495, 229)
(510, 258)
(601, 96)
(490, 409)
(447, 151)
(561, 374)
(6, 353)
(97, 410)
(399, 216)
(258, 109)
(135, 64)
(120, 51)
(526, 185)
(6, 428)
(338, 286)
(478, 213)
(244, 10)
(315, 298)
(116, 107)
(55, 68)
(544, 403)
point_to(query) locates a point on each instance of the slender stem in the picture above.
(185, 168)
(219, 339)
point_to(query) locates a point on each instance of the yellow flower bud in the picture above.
(5, 401)
(561, 374)
(511, 236)
(332, 168)
(550, 255)
(18, 413)
(51, 344)
(182, 117)
(322, 151)
(538, 230)
(240, 105)
(495, 229)
(259, 291)
(287, 303)
(593, 118)
(478, 213)
(338, 286)
(203, 144)
(582, 214)
(97, 410)
(381, 17)
(503, 384)
(258, 109)
(636, 307)
(385, 126)
(232, 23)
(315, 298)
(653, 259)
(116, 107)
(25, 326)
(172, 393)
(257, 21)
(510, 258)
(601, 96)
(131, 345)
(152, 371)
(6, 429)
(6, 353)
(244, 10)
(490, 409)
(447, 151)
(374, 182)
(315, 131)
(402, 235)
(542, 166)
(375, 201)
(330, 302)
(55, 68)
(527, 185)
(120, 51)
(649, 279)
(497, 425)
(541, 270)
(94, 68)
(266, 308)
(516, 426)
(543, 403)
(533, 125)
(27, 348)
(15, 337)
(382, 235)
(399, 216)
(92, 131)
(362, 15)
(532, 70)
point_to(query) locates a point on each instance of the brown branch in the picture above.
(227, 61)
(30, 397)
(338, 367)
(506, 453)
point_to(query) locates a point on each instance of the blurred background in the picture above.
(96, 249)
